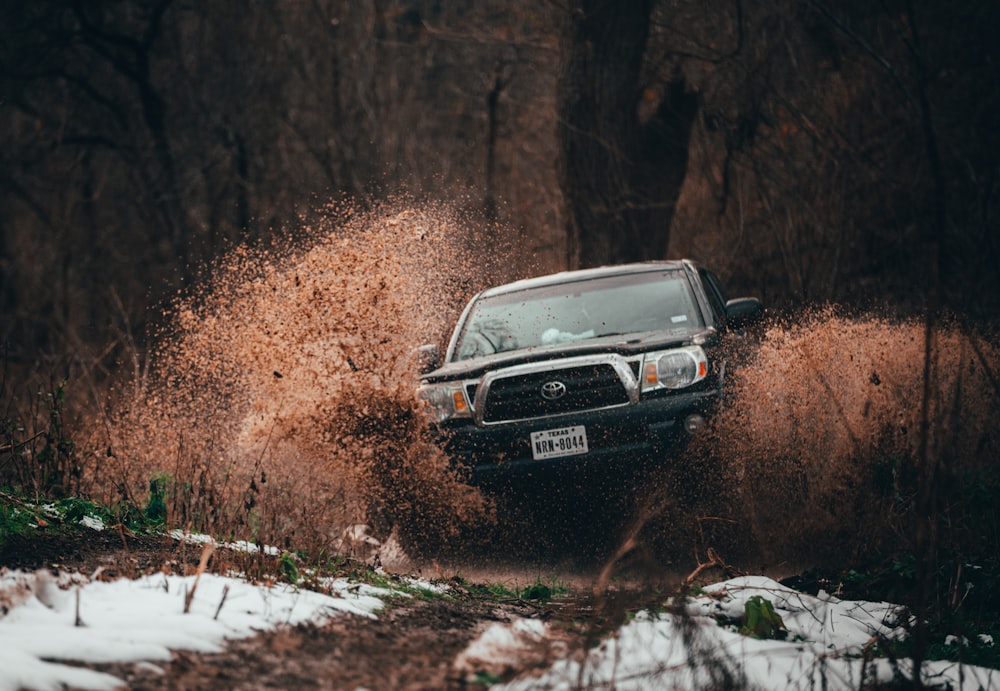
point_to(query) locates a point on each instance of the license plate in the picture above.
(553, 443)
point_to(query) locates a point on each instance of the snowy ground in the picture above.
(698, 645)
(48, 624)
(51, 622)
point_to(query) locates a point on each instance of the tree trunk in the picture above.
(621, 166)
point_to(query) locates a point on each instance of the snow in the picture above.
(48, 625)
(504, 647)
(691, 646)
(238, 545)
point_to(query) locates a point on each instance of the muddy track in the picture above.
(412, 644)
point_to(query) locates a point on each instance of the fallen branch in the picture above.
(9, 448)
(714, 561)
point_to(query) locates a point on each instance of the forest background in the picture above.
(809, 151)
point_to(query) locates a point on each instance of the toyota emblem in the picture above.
(552, 390)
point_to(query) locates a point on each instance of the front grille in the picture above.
(519, 397)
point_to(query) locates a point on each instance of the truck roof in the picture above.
(587, 274)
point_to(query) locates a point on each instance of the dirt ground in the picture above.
(411, 645)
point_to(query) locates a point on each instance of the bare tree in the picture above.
(139, 139)
(624, 142)
(805, 181)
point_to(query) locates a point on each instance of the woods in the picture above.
(214, 266)
(813, 151)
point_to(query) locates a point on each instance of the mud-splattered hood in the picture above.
(622, 344)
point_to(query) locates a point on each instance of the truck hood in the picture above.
(622, 344)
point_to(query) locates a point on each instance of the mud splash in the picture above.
(279, 405)
(279, 408)
(818, 458)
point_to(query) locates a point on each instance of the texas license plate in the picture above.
(553, 443)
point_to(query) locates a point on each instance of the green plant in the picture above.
(542, 590)
(496, 590)
(978, 649)
(486, 678)
(379, 579)
(156, 507)
(74, 509)
(15, 518)
(761, 621)
(289, 567)
(537, 591)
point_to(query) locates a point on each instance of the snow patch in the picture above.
(504, 648)
(696, 644)
(143, 620)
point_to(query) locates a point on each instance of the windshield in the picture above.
(577, 311)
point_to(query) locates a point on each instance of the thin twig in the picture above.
(121, 531)
(225, 592)
(714, 561)
(206, 554)
(78, 621)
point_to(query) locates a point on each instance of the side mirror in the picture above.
(742, 312)
(428, 358)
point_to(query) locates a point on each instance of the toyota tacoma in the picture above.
(613, 363)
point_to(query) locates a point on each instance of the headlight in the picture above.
(674, 369)
(445, 401)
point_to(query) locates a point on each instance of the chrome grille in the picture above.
(519, 397)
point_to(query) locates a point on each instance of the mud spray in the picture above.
(279, 402)
(817, 457)
(279, 407)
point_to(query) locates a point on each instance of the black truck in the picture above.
(589, 366)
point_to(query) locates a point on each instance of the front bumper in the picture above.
(647, 430)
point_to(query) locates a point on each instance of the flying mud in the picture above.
(278, 406)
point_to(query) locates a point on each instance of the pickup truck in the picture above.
(599, 365)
